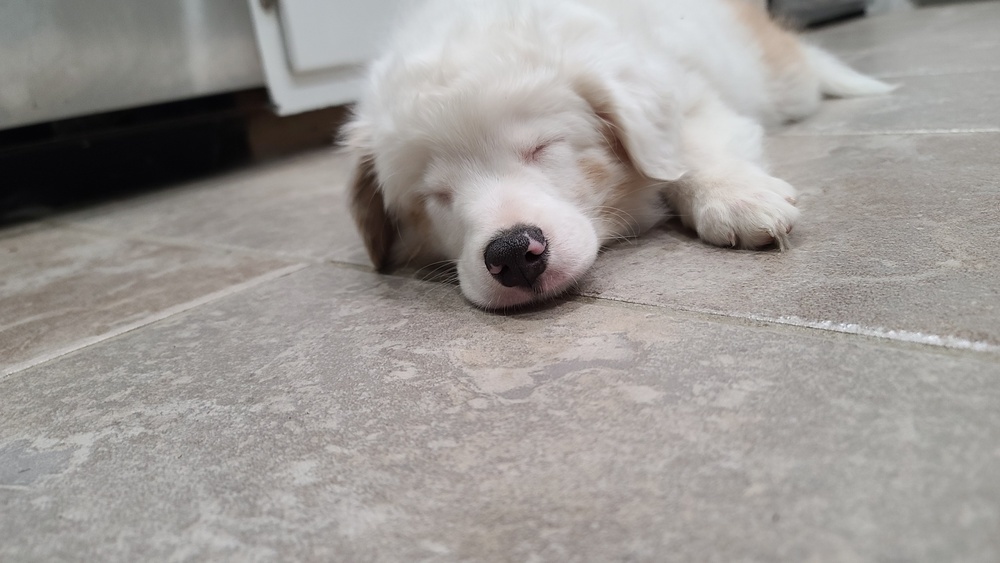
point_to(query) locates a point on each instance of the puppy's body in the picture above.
(516, 137)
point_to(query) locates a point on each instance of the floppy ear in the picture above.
(376, 225)
(645, 119)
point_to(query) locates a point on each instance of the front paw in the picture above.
(753, 215)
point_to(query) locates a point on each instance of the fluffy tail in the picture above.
(841, 81)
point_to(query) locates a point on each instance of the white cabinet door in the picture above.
(314, 51)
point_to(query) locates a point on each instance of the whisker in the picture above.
(619, 220)
(434, 269)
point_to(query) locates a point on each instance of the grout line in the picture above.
(209, 246)
(890, 75)
(872, 332)
(959, 131)
(879, 333)
(183, 242)
(952, 342)
(155, 317)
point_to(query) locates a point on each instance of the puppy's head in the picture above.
(517, 177)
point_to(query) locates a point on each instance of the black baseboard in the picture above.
(64, 163)
(805, 13)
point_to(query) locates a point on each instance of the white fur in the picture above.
(633, 101)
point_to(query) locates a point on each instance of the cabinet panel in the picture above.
(314, 52)
(320, 34)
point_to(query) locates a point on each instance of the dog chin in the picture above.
(491, 296)
(486, 293)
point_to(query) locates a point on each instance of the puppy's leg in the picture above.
(727, 197)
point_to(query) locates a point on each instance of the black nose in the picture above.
(517, 256)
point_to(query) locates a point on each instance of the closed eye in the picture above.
(535, 153)
(441, 197)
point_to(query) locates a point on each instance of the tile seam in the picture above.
(150, 319)
(889, 133)
(932, 341)
(184, 242)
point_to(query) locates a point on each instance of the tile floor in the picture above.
(212, 372)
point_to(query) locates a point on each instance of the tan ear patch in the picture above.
(595, 171)
(375, 224)
(779, 47)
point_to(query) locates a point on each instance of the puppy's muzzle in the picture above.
(517, 256)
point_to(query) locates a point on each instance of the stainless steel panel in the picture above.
(63, 58)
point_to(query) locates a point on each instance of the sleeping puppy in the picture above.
(515, 137)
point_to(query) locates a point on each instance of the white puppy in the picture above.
(515, 137)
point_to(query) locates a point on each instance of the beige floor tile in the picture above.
(922, 104)
(925, 41)
(293, 208)
(61, 288)
(340, 415)
(897, 233)
(933, 53)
